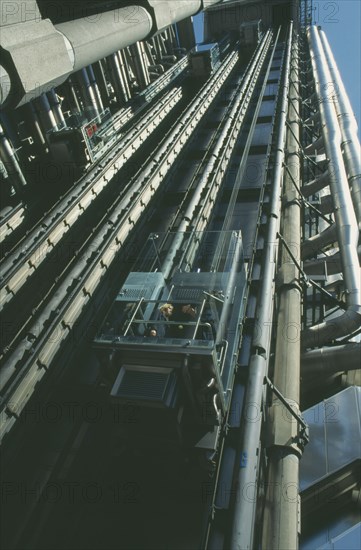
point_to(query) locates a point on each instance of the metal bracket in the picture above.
(303, 432)
(318, 212)
(297, 264)
(310, 160)
(341, 305)
(304, 201)
(306, 280)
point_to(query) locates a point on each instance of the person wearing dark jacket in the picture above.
(183, 315)
(161, 329)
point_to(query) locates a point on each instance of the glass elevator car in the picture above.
(168, 344)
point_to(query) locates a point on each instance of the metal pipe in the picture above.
(317, 145)
(124, 71)
(281, 515)
(100, 76)
(144, 59)
(157, 48)
(78, 43)
(330, 360)
(139, 66)
(327, 265)
(315, 185)
(56, 107)
(31, 113)
(90, 41)
(318, 242)
(350, 143)
(5, 84)
(74, 96)
(116, 78)
(95, 88)
(346, 223)
(88, 94)
(9, 159)
(46, 115)
(242, 534)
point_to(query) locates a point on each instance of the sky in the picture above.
(341, 21)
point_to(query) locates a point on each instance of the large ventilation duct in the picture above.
(318, 242)
(317, 145)
(70, 46)
(326, 206)
(330, 360)
(65, 48)
(328, 265)
(208, 3)
(165, 12)
(316, 185)
(348, 125)
(346, 223)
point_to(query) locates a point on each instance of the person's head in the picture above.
(166, 309)
(189, 309)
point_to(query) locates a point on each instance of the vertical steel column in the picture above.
(34, 119)
(46, 115)
(116, 78)
(88, 94)
(95, 88)
(9, 159)
(281, 506)
(74, 96)
(56, 107)
(124, 74)
(101, 81)
(139, 65)
(144, 60)
(157, 48)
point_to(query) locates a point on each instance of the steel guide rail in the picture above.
(220, 156)
(24, 371)
(11, 221)
(29, 255)
(214, 526)
(228, 139)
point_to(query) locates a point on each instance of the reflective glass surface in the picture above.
(335, 435)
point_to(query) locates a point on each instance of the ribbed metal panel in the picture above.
(149, 386)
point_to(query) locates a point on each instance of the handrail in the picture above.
(134, 314)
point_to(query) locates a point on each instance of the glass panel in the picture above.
(262, 134)
(350, 540)
(342, 533)
(335, 436)
(193, 303)
(245, 217)
(343, 435)
(254, 173)
(313, 463)
(267, 108)
(316, 541)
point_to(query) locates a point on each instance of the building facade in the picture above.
(180, 278)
